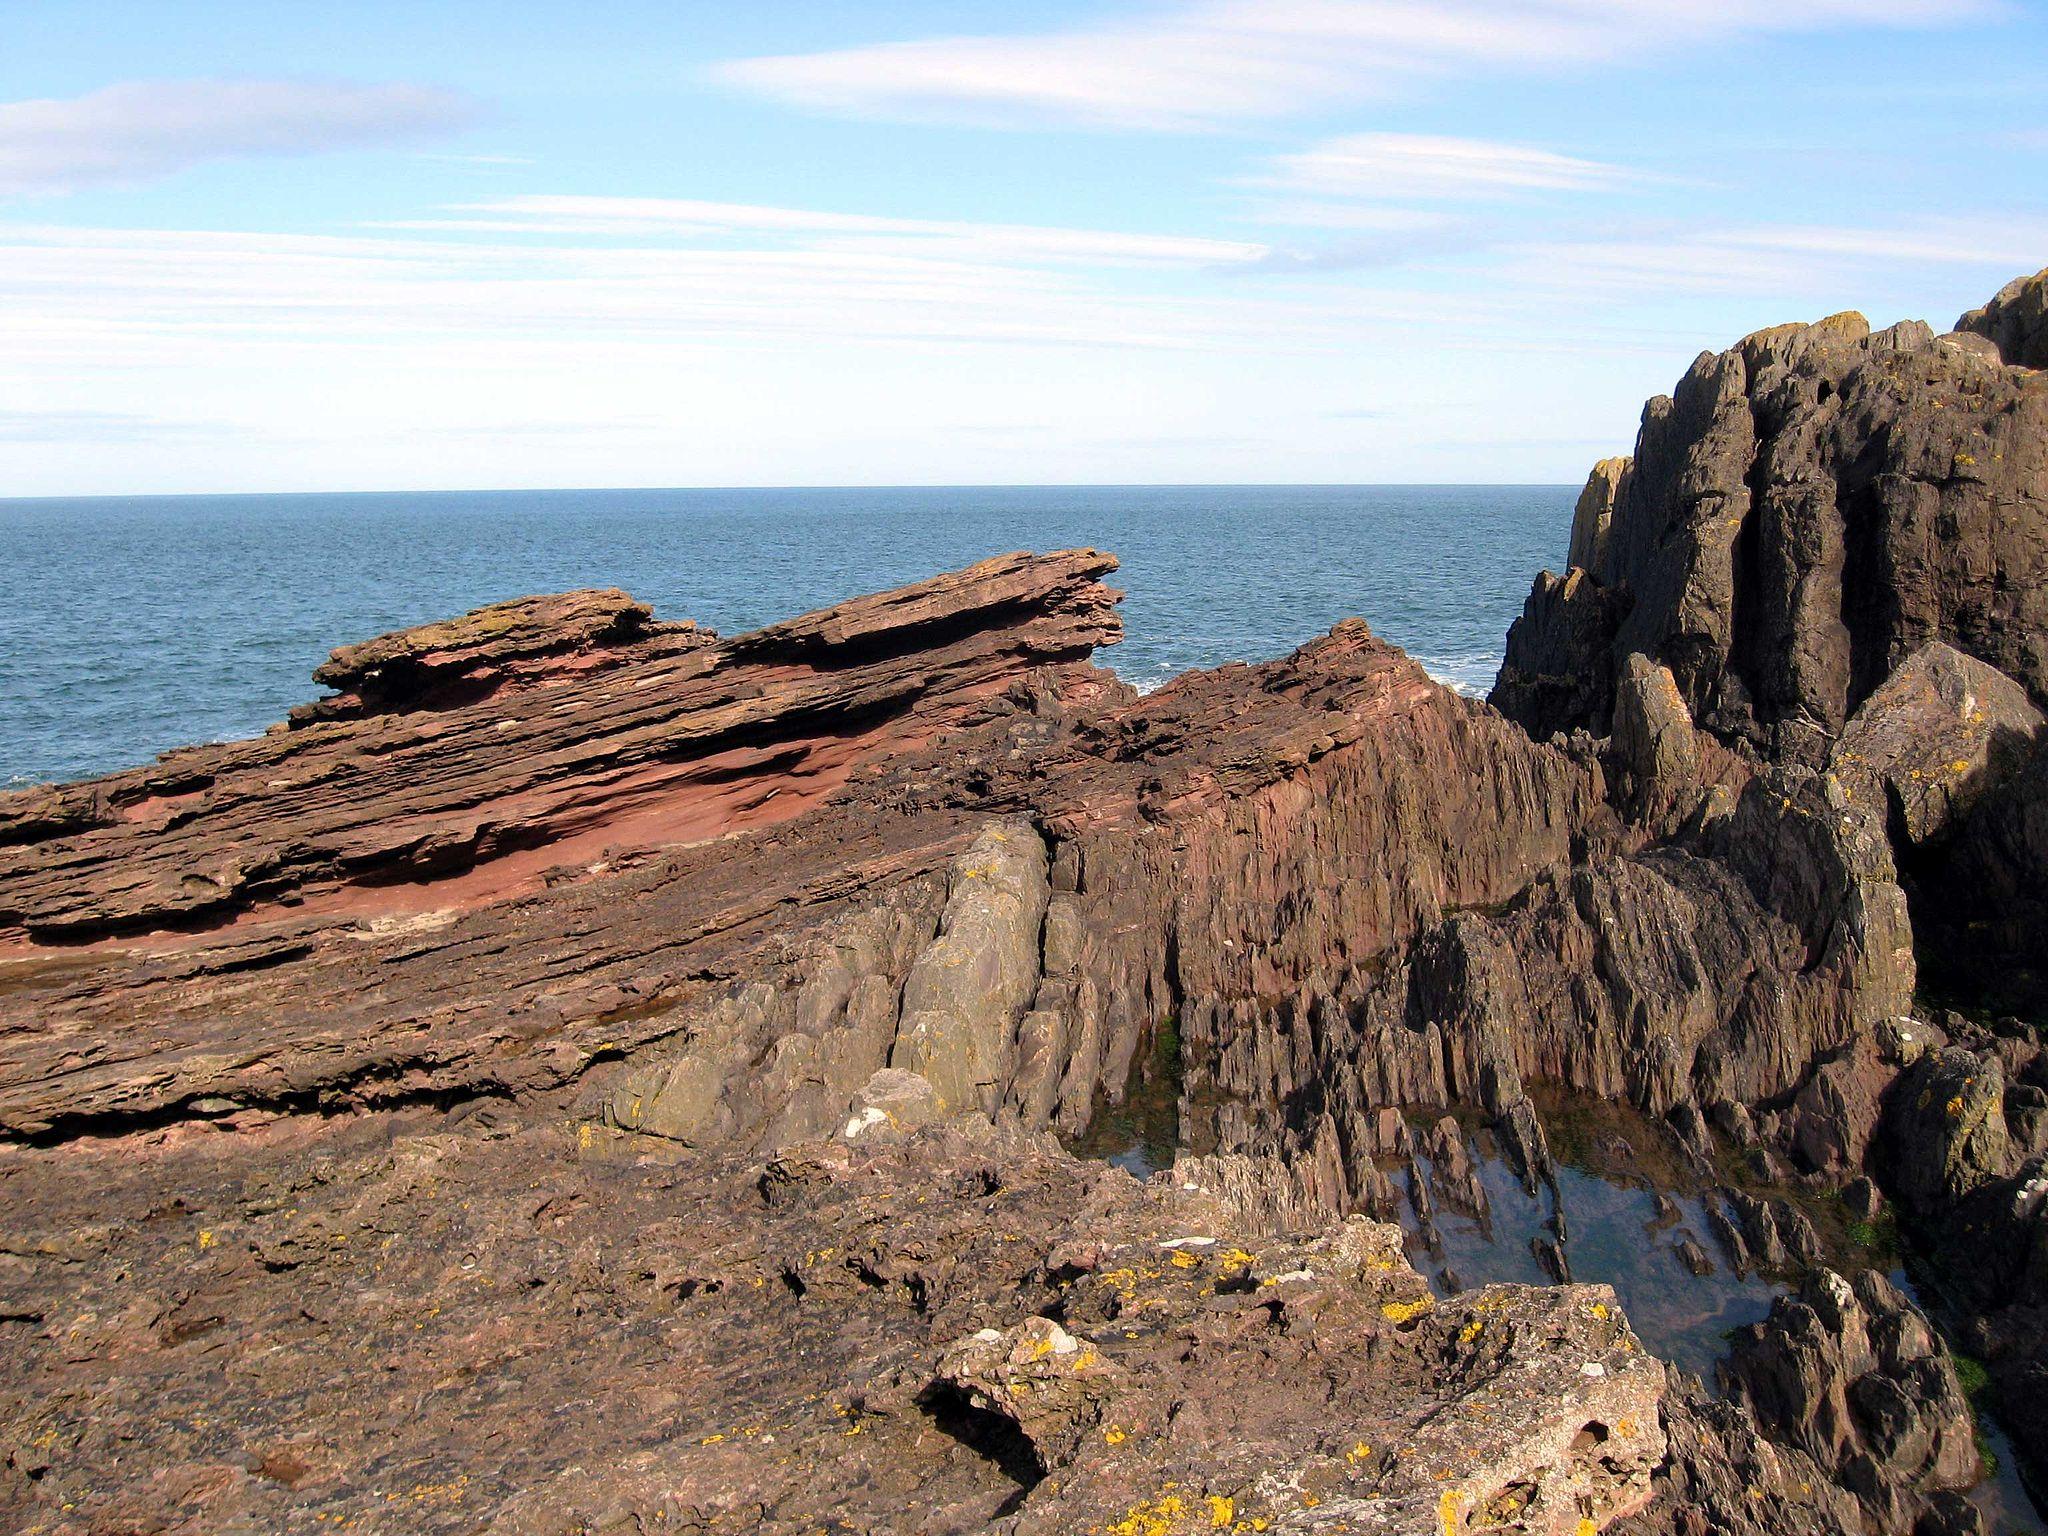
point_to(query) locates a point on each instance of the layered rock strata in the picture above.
(589, 1073)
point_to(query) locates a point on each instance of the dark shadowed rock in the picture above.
(2015, 322)
(1856, 1378)
(1803, 513)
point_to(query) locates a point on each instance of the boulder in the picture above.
(1936, 735)
(1946, 1133)
(1654, 745)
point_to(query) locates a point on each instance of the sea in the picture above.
(131, 625)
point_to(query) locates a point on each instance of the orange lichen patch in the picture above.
(1154, 1517)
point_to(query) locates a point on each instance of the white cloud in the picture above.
(104, 296)
(1203, 62)
(656, 342)
(97, 427)
(1797, 262)
(1406, 165)
(689, 219)
(145, 129)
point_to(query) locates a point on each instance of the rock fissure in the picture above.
(651, 1051)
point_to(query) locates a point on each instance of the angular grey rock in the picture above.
(2016, 321)
(1855, 1377)
(1654, 744)
(1939, 733)
(1594, 512)
(966, 992)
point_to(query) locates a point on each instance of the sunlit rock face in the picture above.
(588, 1073)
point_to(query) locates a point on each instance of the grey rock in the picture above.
(966, 992)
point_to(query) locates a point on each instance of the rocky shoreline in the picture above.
(588, 1074)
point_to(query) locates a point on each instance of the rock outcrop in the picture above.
(1854, 1377)
(2015, 322)
(474, 1003)
(412, 1324)
(1803, 513)
(1828, 558)
(589, 1073)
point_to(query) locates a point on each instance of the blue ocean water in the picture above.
(131, 625)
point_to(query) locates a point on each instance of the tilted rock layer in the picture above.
(588, 1073)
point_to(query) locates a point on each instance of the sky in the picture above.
(427, 244)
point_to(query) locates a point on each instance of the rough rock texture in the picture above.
(1654, 745)
(968, 989)
(1807, 510)
(592, 1074)
(679, 741)
(1855, 1377)
(1835, 546)
(466, 660)
(1934, 737)
(1594, 514)
(2016, 321)
(401, 1323)
(487, 1107)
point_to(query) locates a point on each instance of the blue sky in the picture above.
(307, 246)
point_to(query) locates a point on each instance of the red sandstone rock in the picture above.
(617, 962)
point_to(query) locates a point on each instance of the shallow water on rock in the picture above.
(1627, 1204)
(1619, 1234)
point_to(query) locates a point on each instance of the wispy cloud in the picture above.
(141, 130)
(120, 296)
(1795, 261)
(1428, 167)
(687, 219)
(1195, 65)
(98, 427)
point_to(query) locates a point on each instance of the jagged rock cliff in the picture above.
(588, 1073)
(1835, 545)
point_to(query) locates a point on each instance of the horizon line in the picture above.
(907, 485)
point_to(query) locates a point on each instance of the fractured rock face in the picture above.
(1806, 511)
(530, 640)
(677, 1017)
(957, 1325)
(1594, 514)
(1856, 1378)
(966, 992)
(1654, 740)
(2016, 321)
(1935, 736)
